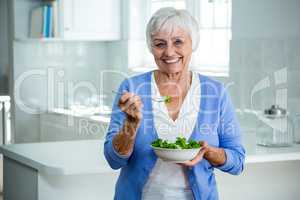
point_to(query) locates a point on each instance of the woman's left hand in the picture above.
(199, 156)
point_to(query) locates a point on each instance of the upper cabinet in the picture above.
(97, 20)
(92, 19)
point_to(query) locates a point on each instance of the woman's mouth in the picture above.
(171, 61)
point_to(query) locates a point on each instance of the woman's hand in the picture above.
(198, 157)
(131, 104)
(215, 156)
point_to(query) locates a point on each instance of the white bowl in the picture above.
(175, 155)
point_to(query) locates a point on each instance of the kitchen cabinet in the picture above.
(57, 170)
(96, 20)
(93, 19)
(78, 170)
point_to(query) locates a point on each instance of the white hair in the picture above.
(165, 19)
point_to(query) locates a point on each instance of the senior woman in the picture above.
(200, 109)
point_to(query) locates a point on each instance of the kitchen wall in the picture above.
(47, 74)
(265, 42)
(4, 48)
(265, 19)
(264, 65)
(264, 61)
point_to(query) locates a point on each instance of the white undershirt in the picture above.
(169, 180)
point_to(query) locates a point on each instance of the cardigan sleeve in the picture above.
(114, 159)
(230, 137)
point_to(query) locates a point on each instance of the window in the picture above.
(139, 57)
(157, 4)
(214, 18)
(212, 56)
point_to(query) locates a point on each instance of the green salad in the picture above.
(180, 143)
(167, 99)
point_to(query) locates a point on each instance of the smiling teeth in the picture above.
(172, 61)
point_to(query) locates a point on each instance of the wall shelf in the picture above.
(77, 20)
(33, 40)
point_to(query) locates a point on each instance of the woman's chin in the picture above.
(172, 69)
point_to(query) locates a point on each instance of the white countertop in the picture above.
(86, 156)
(272, 154)
(67, 157)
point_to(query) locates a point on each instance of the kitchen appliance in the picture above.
(275, 128)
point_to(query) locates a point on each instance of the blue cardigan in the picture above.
(216, 124)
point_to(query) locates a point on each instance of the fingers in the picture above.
(131, 104)
(199, 156)
(133, 111)
(203, 144)
(195, 160)
(125, 96)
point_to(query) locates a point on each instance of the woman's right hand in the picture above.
(132, 105)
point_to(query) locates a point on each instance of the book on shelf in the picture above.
(44, 21)
(44, 33)
(49, 22)
(55, 32)
(37, 23)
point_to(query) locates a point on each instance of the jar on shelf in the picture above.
(275, 128)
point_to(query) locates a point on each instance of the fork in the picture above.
(157, 98)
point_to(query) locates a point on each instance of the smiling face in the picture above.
(172, 50)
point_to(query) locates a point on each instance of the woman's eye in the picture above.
(160, 45)
(178, 42)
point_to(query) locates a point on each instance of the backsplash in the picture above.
(264, 72)
(71, 65)
(54, 74)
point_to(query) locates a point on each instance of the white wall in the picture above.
(3, 47)
(265, 19)
(62, 63)
(265, 39)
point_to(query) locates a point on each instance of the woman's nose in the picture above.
(170, 50)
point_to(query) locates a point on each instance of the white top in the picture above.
(166, 178)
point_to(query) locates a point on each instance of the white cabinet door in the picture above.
(91, 19)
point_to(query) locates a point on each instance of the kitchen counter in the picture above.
(64, 158)
(86, 156)
(270, 154)
(57, 170)
(77, 170)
